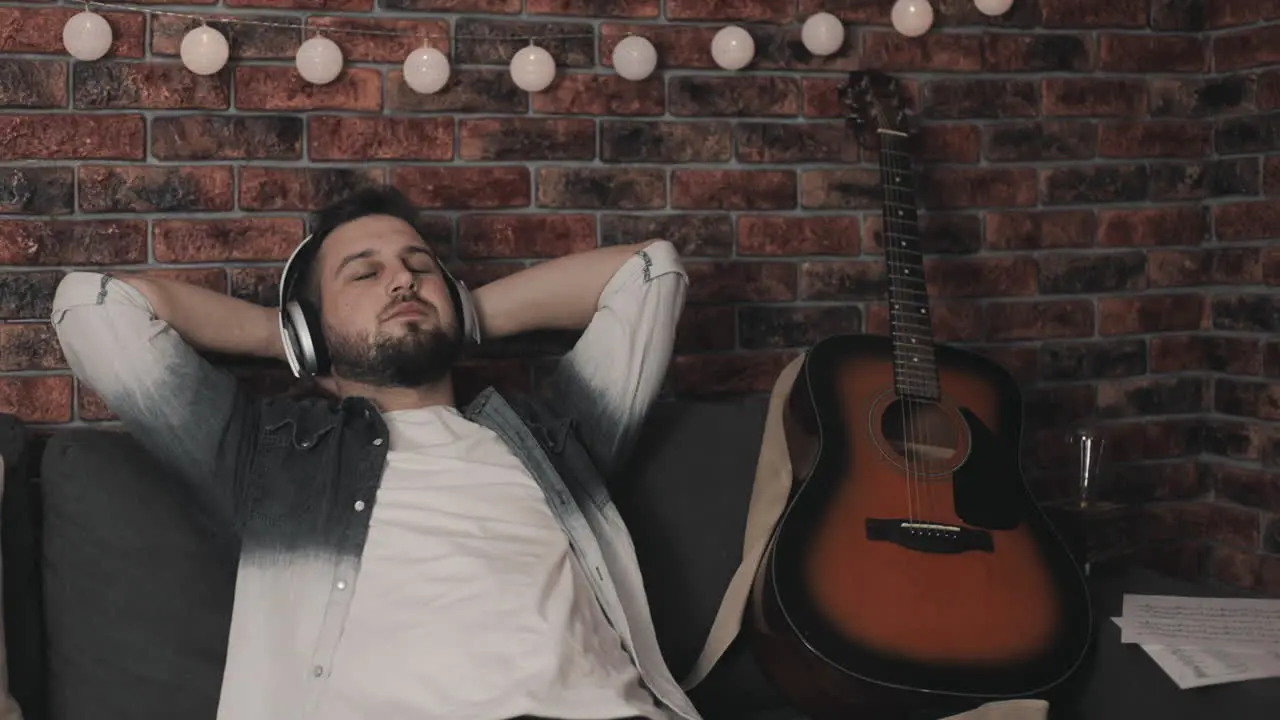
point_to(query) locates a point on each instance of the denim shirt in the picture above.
(295, 478)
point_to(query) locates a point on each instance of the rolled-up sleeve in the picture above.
(183, 410)
(611, 377)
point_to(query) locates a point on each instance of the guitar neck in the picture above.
(910, 323)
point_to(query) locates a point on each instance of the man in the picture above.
(401, 557)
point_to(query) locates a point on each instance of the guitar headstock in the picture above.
(874, 103)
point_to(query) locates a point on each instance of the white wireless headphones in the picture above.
(300, 327)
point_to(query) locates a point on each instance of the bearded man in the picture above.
(400, 557)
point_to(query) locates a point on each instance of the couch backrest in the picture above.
(121, 542)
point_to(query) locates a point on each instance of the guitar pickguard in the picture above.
(987, 485)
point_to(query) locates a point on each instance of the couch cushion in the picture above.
(138, 593)
(23, 647)
(684, 497)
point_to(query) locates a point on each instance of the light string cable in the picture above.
(234, 18)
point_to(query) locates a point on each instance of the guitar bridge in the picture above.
(929, 537)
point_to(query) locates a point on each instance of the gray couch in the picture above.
(117, 602)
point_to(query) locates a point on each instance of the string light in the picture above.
(204, 50)
(87, 36)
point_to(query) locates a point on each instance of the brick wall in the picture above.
(1095, 173)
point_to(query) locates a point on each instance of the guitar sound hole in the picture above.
(920, 432)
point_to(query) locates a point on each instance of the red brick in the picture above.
(1152, 227)
(794, 236)
(1161, 139)
(464, 187)
(39, 30)
(1226, 13)
(843, 280)
(1150, 314)
(595, 8)
(587, 188)
(38, 399)
(1075, 96)
(741, 282)
(524, 139)
(155, 188)
(232, 240)
(1246, 49)
(152, 86)
(297, 189)
(967, 188)
(1039, 319)
(267, 87)
(981, 277)
(733, 189)
(892, 52)
(1041, 230)
(33, 83)
(592, 94)
(351, 137)
(1093, 14)
(1151, 53)
(734, 95)
(778, 11)
(227, 137)
(29, 346)
(327, 5)
(72, 242)
(72, 137)
(1256, 220)
(525, 236)
(949, 144)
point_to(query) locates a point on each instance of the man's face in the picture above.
(387, 314)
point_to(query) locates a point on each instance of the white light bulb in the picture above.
(822, 34)
(204, 50)
(732, 48)
(635, 58)
(912, 18)
(319, 60)
(993, 8)
(533, 69)
(86, 36)
(426, 70)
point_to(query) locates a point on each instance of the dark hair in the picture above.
(380, 200)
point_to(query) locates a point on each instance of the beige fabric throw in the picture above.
(768, 500)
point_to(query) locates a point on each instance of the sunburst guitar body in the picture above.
(912, 570)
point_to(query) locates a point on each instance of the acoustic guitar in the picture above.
(912, 568)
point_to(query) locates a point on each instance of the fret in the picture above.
(910, 322)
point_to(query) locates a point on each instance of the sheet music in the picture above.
(1196, 667)
(1221, 623)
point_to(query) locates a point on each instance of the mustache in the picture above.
(400, 303)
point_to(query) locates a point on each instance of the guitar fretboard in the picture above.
(910, 323)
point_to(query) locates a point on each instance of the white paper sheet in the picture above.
(1196, 667)
(1220, 623)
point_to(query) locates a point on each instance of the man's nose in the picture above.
(403, 280)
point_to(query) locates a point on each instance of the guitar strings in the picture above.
(896, 292)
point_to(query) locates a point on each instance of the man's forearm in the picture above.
(559, 294)
(212, 321)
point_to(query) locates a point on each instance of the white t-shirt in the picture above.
(470, 604)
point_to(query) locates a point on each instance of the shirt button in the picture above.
(341, 584)
(317, 671)
(377, 441)
(359, 505)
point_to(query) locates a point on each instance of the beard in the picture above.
(421, 355)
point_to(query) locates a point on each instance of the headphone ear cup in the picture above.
(304, 344)
(314, 337)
